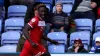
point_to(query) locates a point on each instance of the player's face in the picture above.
(97, 43)
(42, 12)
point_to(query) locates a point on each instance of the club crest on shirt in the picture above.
(33, 20)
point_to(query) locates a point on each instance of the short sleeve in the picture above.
(32, 22)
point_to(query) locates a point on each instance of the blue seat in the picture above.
(65, 1)
(95, 35)
(67, 8)
(84, 24)
(61, 37)
(56, 49)
(46, 1)
(2, 2)
(17, 11)
(8, 49)
(48, 6)
(97, 26)
(14, 24)
(83, 35)
(10, 37)
(0, 26)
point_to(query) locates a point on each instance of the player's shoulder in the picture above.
(34, 19)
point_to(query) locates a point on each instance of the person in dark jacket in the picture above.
(60, 20)
(84, 10)
(77, 47)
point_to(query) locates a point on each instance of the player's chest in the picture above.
(41, 25)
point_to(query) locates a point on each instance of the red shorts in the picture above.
(28, 50)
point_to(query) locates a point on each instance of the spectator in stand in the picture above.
(77, 47)
(83, 9)
(96, 48)
(61, 21)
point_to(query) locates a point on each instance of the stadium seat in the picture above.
(1, 2)
(97, 26)
(14, 24)
(48, 6)
(17, 11)
(65, 1)
(46, 1)
(10, 37)
(83, 35)
(61, 37)
(67, 8)
(8, 49)
(56, 49)
(0, 26)
(95, 35)
(84, 24)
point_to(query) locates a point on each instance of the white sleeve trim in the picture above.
(30, 25)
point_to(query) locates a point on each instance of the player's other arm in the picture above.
(50, 40)
(26, 30)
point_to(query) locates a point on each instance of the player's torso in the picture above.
(37, 32)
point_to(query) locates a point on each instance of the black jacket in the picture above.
(81, 50)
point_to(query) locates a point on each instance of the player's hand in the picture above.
(34, 45)
(54, 42)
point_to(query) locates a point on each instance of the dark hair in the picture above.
(41, 5)
(34, 7)
(30, 11)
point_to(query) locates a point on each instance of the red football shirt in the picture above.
(37, 31)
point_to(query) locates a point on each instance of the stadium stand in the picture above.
(17, 11)
(61, 37)
(10, 37)
(48, 3)
(84, 24)
(8, 49)
(15, 21)
(65, 1)
(97, 25)
(95, 35)
(83, 35)
(14, 24)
